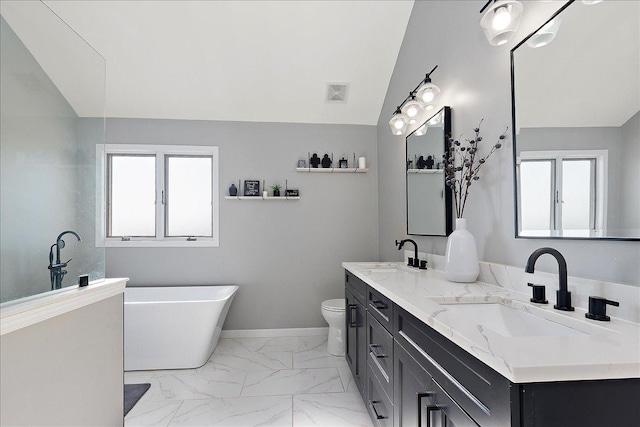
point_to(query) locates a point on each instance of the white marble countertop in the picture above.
(597, 350)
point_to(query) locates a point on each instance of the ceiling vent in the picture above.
(337, 92)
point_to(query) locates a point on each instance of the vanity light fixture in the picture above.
(501, 20)
(398, 122)
(411, 109)
(420, 99)
(590, 2)
(545, 35)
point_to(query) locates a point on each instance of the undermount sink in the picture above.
(511, 321)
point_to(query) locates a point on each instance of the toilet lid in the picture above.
(333, 304)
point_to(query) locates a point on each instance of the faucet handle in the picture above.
(539, 295)
(598, 308)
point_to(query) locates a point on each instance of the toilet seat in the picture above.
(334, 305)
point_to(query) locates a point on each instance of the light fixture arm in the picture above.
(487, 5)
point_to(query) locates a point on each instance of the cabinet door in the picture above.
(356, 354)
(412, 385)
(351, 317)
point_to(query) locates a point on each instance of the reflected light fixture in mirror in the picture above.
(419, 100)
(501, 20)
(545, 35)
(590, 2)
(421, 130)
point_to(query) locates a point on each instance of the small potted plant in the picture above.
(276, 190)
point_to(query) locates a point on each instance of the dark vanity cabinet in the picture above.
(466, 392)
(410, 375)
(356, 318)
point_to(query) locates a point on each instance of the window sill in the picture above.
(200, 243)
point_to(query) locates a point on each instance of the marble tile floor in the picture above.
(279, 382)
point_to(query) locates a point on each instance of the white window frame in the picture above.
(160, 240)
(601, 158)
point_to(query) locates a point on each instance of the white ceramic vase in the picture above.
(461, 259)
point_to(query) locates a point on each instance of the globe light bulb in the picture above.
(427, 95)
(501, 18)
(398, 123)
(411, 109)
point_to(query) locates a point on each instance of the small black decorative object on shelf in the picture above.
(429, 162)
(251, 188)
(326, 161)
(421, 163)
(292, 193)
(343, 164)
(314, 161)
(233, 190)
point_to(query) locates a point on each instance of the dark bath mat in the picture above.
(133, 393)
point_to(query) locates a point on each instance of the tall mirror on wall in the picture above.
(428, 198)
(576, 141)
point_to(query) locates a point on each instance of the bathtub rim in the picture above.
(231, 295)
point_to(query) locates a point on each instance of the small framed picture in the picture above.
(343, 163)
(251, 188)
(302, 163)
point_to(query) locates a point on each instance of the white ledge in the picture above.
(27, 311)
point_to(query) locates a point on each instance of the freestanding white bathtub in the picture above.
(173, 327)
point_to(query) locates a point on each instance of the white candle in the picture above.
(362, 163)
(265, 194)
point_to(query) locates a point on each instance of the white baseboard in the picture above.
(287, 332)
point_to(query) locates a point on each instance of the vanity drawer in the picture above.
(449, 408)
(380, 354)
(461, 375)
(378, 403)
(356, 286)
(380, 307)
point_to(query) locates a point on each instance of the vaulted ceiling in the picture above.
(265, 61)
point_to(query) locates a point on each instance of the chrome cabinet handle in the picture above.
(372, 403)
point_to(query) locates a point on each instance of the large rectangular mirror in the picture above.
(428, 198)
(576, 124)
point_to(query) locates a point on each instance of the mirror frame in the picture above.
(448, 197)
(516, 205)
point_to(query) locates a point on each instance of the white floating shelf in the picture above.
(261, 198)
(425, 170)
(332, 170)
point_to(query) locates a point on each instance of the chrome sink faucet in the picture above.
(563, 296)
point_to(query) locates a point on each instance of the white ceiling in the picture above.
(265, 61)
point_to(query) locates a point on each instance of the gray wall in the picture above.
(65, 371)
(285, 256)
(475, 81)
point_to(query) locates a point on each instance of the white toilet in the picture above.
(333, 311)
